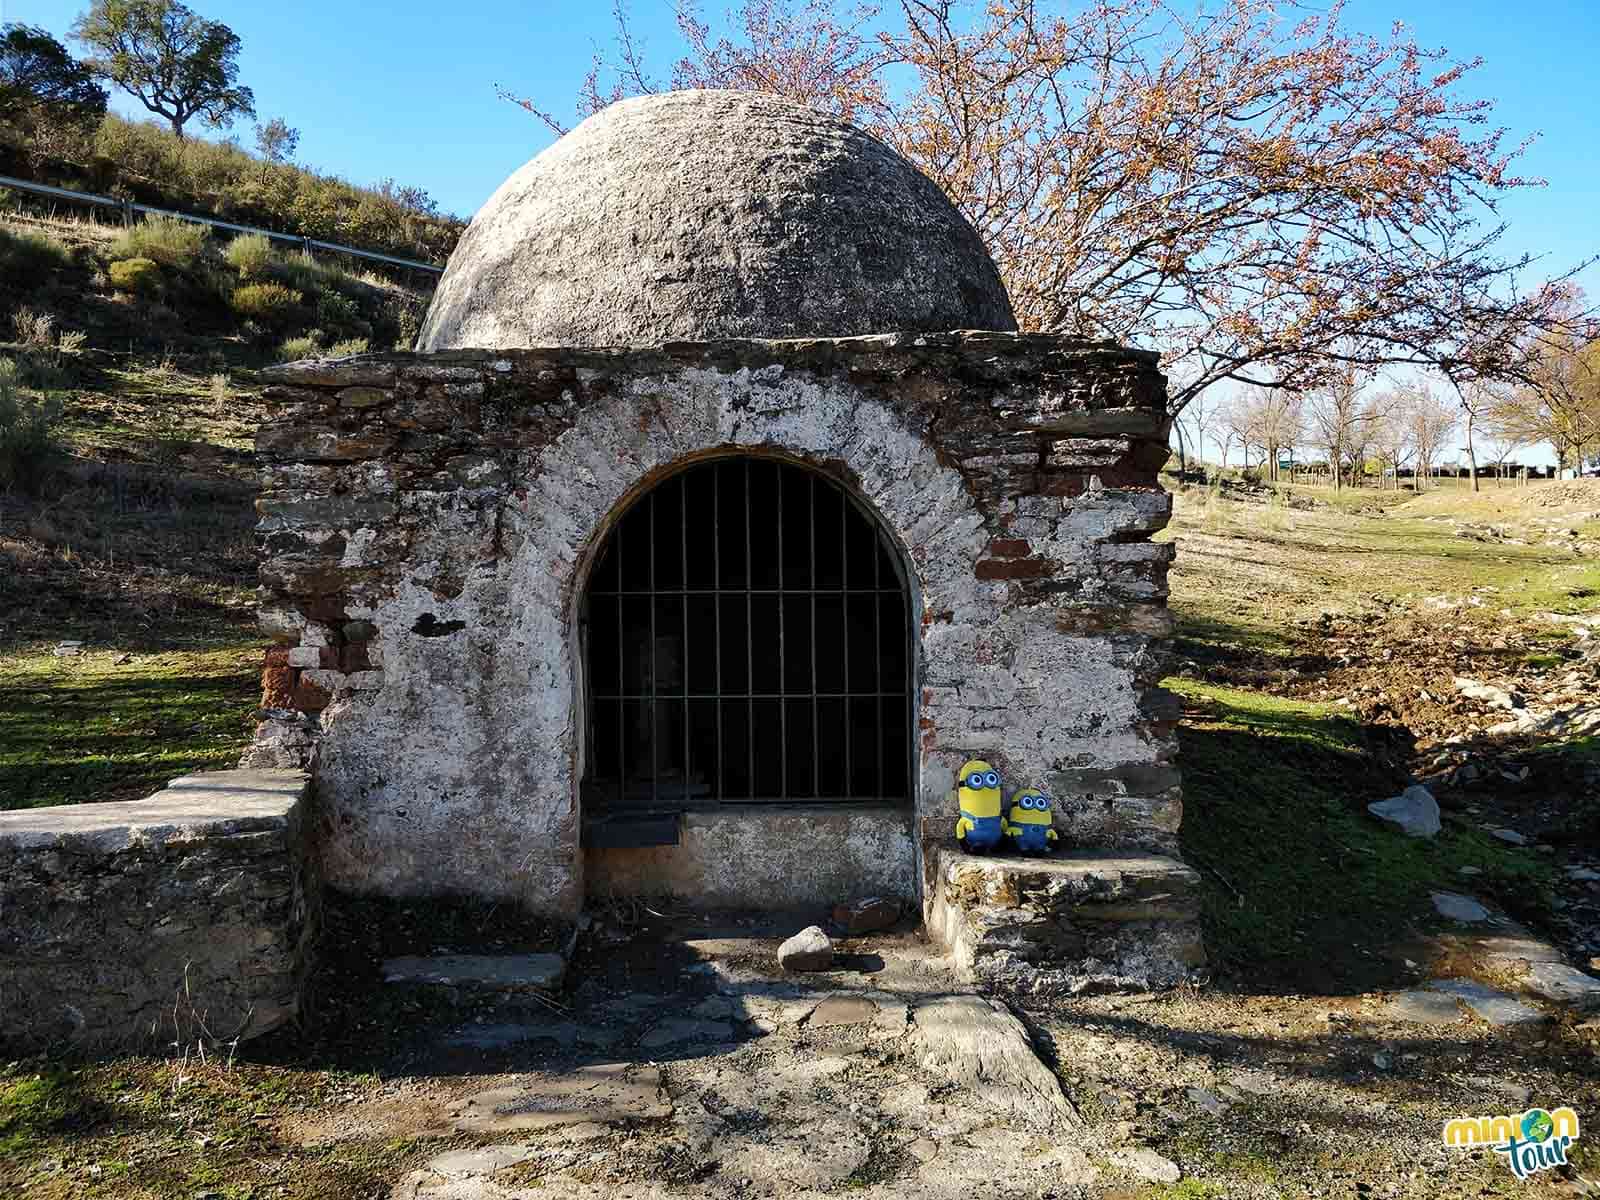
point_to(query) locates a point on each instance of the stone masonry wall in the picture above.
(427, 522)
(182, 918)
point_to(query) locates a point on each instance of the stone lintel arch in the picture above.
(616, 454)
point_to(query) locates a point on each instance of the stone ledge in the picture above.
(207, 804)
(1063, 924)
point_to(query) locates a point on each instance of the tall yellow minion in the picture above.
(980, 826)
(1028, 825)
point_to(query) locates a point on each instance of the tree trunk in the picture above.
(1183, 459)
(1472, 456)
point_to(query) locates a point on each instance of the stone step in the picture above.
(1066, 922)
(480, 972)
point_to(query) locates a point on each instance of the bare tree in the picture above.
(1432, 420)
(1200, 417)
(1391, 438)
(1264, 198)
(1340, 421)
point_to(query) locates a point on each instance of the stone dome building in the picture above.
(692, 216)
(720, 519)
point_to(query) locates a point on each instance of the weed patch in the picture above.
(1303, 888)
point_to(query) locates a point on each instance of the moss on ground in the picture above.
(1303, 888)
(113, 725)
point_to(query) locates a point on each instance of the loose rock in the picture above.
(1146, 1164)
(809, 950)
(866, 916)
(1414, 812)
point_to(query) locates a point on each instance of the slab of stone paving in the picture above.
(498, 1035)
(843, 1010)
(1456, 907)
(604, 1093)
(976, 1042)
(504, 972)
(1493, 1006)
(1562, 984)
(479, 1160)
(1423, 1008)
(677, 1030)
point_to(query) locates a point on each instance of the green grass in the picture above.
(1299, 879)
(106, 725)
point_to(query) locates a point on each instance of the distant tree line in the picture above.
(183, 68)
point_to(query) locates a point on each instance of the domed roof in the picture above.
(688, 216)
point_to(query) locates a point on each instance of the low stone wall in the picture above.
(184, 917)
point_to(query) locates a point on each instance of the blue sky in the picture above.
(407, 89)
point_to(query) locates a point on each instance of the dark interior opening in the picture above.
(747, 640)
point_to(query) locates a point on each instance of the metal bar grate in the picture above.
(748, 641)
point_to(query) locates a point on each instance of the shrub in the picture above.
(140, 276)
(35, 330)
(26, 434)
(311, 274)
(272, 304)
(251, 255)
(348, 347)
(221, 391)
(220, 179)
(166, 240)
(296, 348)
(27, 254)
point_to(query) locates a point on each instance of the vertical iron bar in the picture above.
(877, 653)
(683, 648)
(816, 748)
(622, 683)
(716, 608)
(844, 608)
(749, 642)
(655, 734)
(783, 661)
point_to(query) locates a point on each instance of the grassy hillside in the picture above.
(141, 161)
(136, 540)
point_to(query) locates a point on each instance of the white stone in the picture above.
(1414, 812)
(809, 950)
(1146, 1164)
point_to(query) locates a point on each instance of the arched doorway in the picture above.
(746, 636)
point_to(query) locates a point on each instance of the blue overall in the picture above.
(1032, 839)
(985, 831)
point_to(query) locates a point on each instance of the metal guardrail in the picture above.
(128, 207)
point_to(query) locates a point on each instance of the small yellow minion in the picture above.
(981, 825)
(1028, 824)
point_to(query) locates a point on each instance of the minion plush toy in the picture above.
(1028, 824)
(981, 825)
